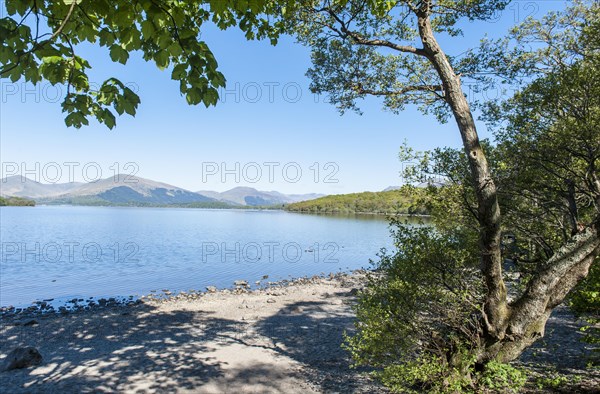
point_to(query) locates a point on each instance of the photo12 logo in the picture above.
(479, 94)
(271, 172)
(68, 252)
(43, 92)
(70, 171)
(267, 92)
(517, 11)
(272, 252)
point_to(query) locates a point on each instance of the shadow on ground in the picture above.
(139, 349)
(134, 350)
(312, 334)
(143, 350)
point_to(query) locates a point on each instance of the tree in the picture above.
(390, 49)
(39, 41)
(352, 41)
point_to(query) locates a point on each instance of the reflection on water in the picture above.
(66, 252)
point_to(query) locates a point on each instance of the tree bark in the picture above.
(544, 292)
(496, 306)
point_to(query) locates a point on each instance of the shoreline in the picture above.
(73, 304)
(283, 338)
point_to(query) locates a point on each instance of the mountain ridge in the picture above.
(123, 189)
(245, 195)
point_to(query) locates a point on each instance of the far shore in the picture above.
(239, 208)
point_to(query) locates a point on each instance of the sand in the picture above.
(285, 339)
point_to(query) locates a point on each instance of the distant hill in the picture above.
(422, 185)
(18, 186)
(248, 196)
(126, 190)
(399, 201)
(116, 190)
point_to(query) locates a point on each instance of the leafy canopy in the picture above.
(39, 41)
(372, 48)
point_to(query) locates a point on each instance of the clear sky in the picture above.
(267, 115)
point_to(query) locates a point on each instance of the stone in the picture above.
(271, 301)
(30, 322)
(295, 310)
(242, 283)
(211, 289)
(21, 357)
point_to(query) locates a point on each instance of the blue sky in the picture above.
(267, 116)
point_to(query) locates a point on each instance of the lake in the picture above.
(65, 252)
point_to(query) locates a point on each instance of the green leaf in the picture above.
(165, 32)
(194, 96)
(162, 59)
(109, 119)
(106, 37)
(118, 54)
(179, 71)
(76, 119)
(175, 49)
(147, 29)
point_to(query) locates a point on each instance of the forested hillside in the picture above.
(16, 201)
(402, 201)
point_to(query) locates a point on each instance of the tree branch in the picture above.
(360, 39)
(406, 89)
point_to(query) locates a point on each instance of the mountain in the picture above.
(304, 197)
(116, 190)
(421, 185)
(248, 196)
(131, 190)
(18, 186)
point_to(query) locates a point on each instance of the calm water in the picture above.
(67, 252)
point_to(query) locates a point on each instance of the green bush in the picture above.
(502, 378)
(418, 317)
(585, 303)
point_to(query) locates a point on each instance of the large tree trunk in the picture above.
(545, 291)
(508, 329)
(495, 308)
